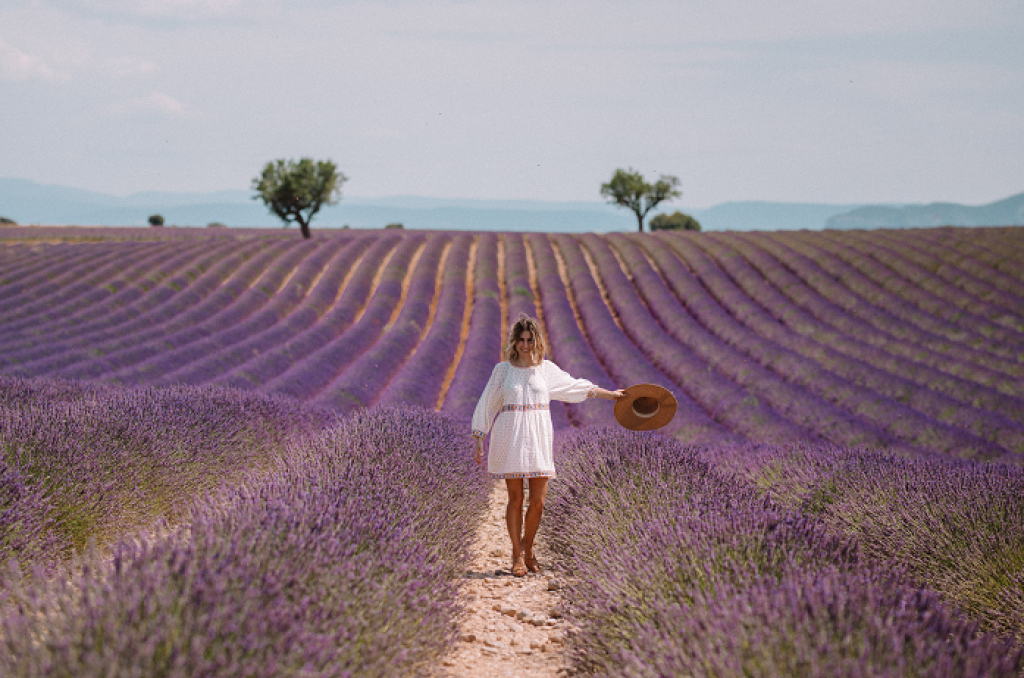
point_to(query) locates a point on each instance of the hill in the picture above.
(1007, 212)
(28, 202)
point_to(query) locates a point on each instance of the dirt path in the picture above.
(511, 626)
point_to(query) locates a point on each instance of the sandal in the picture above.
(518, 570)
(532, 565)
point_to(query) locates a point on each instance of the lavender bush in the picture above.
(957, 526)
(86, 462)
(343, 562)
(818, 624)
(685, 570)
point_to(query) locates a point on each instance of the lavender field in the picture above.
(205, 439)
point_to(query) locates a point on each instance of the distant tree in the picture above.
(295, 191)
(628, 189)
(156, 220)
(4, 221)
(395, 225)
(215, 224)
(677, 221)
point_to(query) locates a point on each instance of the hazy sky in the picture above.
(787, 100)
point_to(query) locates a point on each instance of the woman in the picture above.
(518, 394)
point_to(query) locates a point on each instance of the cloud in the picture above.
(156, 104)
(124, 67)
(163, 9)
(18, 66)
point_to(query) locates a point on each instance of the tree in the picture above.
(295, 191)
(628, 189)
(156, 220)
(677, 221)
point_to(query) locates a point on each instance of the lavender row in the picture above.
(969, 256)
(29, 270)
(625, 363)
(147, 325)
(270, 364)
(870, 280)
(261, 307)
(944, 397)
(774, 373)
(731, 405)
(710, 296)
(194, 323)
(422, 377)
(343, 562)
(686, 571)
(964, 273)
(1001, 341)
(482, 345)
(517, 279)
(239, 297)
(815, 415)
(956, 526)
(114, 297)
(837, 377)
(946, 349)
(946, 284)
(306, 378)
(53, 274)
(83, 329)
(88, 295)
(85, 462)
(519, 299)
(1002, 255)
(115, 234)
(108, 269)
(569, 347)
(363, 381)
(66, 284)
(314, 306)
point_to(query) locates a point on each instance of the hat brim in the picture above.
(645, 407)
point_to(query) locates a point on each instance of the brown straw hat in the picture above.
(645, 407)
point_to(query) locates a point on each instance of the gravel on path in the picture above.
(512, 626)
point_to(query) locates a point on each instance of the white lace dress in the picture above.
(516, 402)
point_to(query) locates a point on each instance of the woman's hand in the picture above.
(619, 393)
(478, 452)
(610, 395)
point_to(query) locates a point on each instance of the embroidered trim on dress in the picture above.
(524, 408)
(592, 392)
(478, 433)
(531, 474)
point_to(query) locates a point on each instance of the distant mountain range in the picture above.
(28, 202)
(1007, 212)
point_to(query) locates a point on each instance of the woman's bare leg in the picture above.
(538, 492)
(514, 518)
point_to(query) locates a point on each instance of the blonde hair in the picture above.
(525, 324)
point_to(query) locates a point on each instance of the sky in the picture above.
(845, 101)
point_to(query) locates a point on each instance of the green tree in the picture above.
(628, 189)
(295, 191)
(156, 220)
(677, 221)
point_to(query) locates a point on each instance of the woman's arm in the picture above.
(609, 395)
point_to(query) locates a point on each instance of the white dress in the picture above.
(522, 437)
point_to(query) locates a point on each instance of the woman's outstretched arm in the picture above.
(609, 395)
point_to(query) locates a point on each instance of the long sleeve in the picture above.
(562, 386)
(490, 402)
